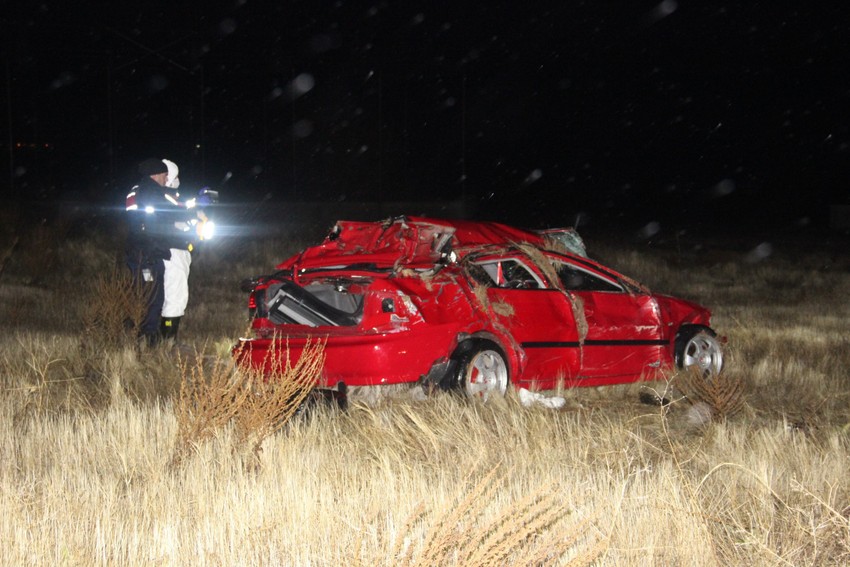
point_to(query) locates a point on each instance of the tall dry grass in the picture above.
(89, 436)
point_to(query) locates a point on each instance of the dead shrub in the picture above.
(723, 393)
(255, 403)
(116, 306)
(209, 398)
(272, 402)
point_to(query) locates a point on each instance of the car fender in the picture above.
(514, 352)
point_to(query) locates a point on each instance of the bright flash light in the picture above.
(208, 230)
(149, 209)
(190, 204)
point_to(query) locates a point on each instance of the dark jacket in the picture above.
(151, 223)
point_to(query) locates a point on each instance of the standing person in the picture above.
(152, 221)
(176, 276)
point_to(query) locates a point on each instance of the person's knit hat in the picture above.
(152, 166)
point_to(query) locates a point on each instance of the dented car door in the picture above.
(538, 318)
(624, 330)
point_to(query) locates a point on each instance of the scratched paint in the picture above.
(393, 297)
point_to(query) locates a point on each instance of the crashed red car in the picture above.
(475, 305)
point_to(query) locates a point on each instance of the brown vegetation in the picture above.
(115, 454)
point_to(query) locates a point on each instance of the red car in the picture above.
(475, 305)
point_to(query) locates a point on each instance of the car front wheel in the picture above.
(482, 370)
(698, 347)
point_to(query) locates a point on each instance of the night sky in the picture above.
(677, 112)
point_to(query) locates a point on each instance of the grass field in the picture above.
(109, 456)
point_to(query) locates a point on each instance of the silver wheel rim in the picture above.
(487, 372)
(703, 352)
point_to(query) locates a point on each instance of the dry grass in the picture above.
(87, 436)
(530, 531)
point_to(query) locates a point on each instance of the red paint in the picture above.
(417, 281)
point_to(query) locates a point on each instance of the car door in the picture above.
(624, 332)
(538, 317)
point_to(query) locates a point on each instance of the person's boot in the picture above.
(169, 327)
(152, 339)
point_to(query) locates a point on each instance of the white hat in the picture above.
(172, 180)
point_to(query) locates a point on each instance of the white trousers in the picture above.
(176, 283)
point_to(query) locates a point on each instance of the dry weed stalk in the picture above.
(543, 263)
(499, 307)
(256, 403)
(480, 292)
(548, 269)
(527, 529)
(723, 393)
(207, 402)
(272, 402)
(503, 308)
(560, 244)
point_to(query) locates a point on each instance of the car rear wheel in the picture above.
(698, 347)
(482, 370)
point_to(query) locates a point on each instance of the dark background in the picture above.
(537, 113)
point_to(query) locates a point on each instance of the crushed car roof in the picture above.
(415, 242)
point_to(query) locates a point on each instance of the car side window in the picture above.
(507, 273)
(574, 278)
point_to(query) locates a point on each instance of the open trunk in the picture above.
(316, 304)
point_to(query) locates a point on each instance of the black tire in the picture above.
(697, 347)
(481, 369)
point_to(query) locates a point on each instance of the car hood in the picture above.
(676, 309)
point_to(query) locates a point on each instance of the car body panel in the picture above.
(358, 358)
(542, 323)
(394, 301)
